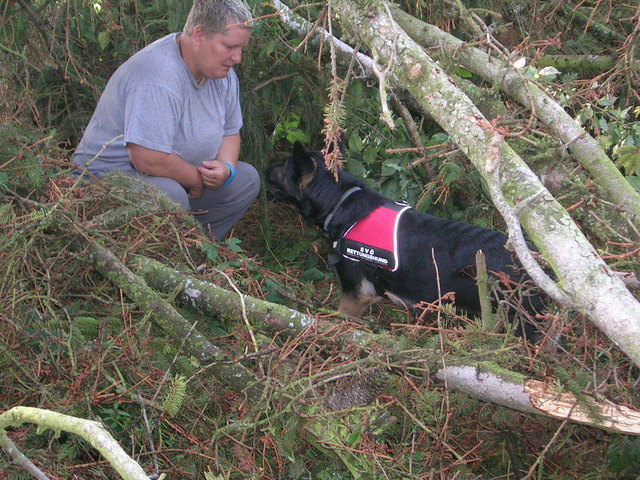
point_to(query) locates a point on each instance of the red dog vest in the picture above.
(374, 239)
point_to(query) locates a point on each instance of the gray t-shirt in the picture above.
(153, 100)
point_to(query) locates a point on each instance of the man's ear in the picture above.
(198, 34)
(304, 165)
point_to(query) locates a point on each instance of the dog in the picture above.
(415, 258)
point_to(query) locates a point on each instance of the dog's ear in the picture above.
(304, 165)
(298, 150)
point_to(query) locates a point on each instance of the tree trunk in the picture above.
(580, 143)
(592, 287)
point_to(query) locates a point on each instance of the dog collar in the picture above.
(335, 208)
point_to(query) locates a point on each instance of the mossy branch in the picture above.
(585, 148)
(92, 432)
(168, 318)
(212, 300)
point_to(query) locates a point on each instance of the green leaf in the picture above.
(234, 244)
(463, 72)
(355, 167)
(370, 154)
(629, 159)
(352, 438)
(437, 139)
(355, 142)
(271, 291)
(212, 252)
(312, 275)
(391, 167)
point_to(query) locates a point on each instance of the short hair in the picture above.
(215, 15)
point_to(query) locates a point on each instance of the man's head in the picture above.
(216, 32)
(215, 16)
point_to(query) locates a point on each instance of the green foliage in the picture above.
(100, 355)
(117, 418)
(616, 133)
(22, 151)
(623, 457)
(288, 128)
(211, 250)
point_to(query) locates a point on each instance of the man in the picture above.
(175, 104)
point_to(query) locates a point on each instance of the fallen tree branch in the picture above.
(585, 148)
(532, 396)
(167, 318)
(209, 299)
(577, 62)
(92, 432)
(515, 391)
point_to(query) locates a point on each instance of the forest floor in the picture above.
(74, 343)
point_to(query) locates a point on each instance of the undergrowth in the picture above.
(73, 343)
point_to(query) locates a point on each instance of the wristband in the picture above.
(232, 174)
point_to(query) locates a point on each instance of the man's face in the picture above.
(218, 52)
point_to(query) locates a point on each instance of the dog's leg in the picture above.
(354, 305)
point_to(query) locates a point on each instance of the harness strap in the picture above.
(335, 208)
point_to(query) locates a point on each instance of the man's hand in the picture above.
(214, 173)
(195, 191)
(170, 165)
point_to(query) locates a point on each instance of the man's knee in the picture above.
(250, 179)
(172, 189)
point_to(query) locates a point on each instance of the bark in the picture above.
(565, 180)
(492, 384)
(547, 110)
(532, 396)
(92, 432)
(581, 19)
(583, 63)
(593, 289)
(169, 320)
(209, 299)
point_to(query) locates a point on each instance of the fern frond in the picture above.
(7, 215)
(4, 182)
(175, 397)
(87, 325)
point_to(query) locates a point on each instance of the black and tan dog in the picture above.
(410, 257)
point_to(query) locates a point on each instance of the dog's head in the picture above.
(304, 180)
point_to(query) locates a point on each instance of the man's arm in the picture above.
(214, 172)
(169, 165)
